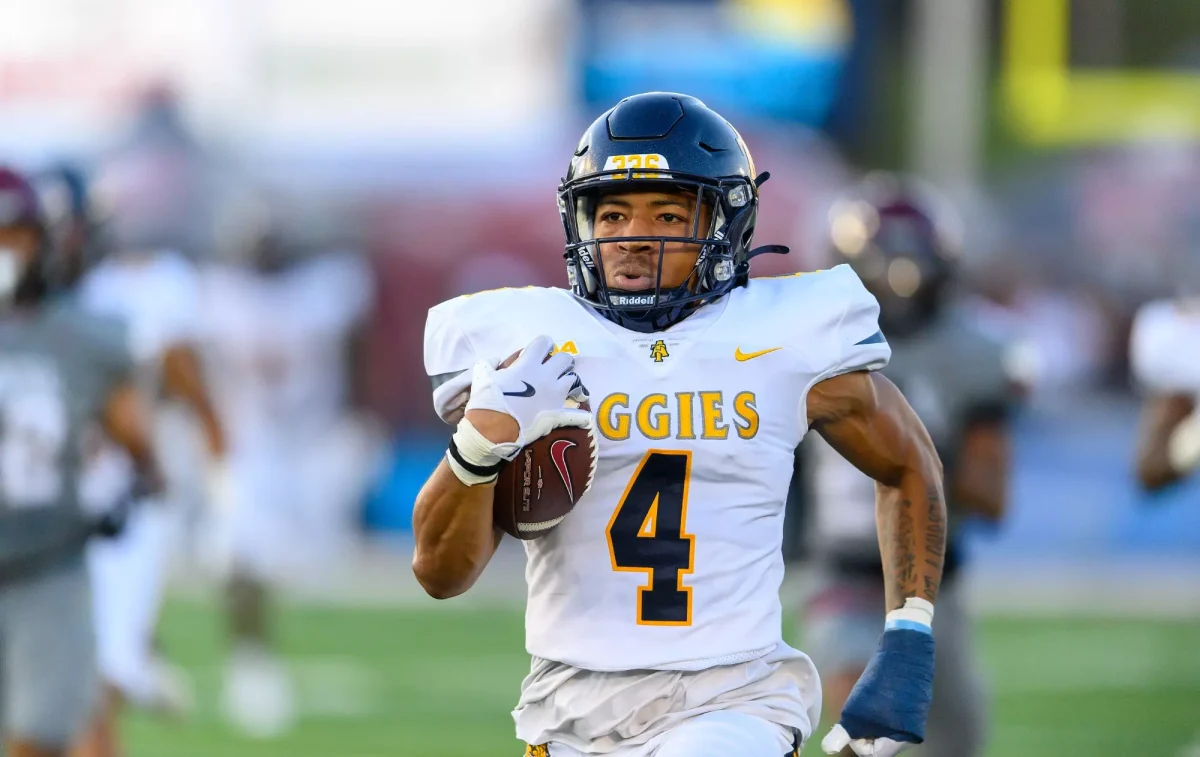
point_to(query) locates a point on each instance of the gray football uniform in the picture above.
(953, 375)
(57, 370)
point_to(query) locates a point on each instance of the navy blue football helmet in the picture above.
(653, 140)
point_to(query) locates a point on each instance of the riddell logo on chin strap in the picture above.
(658, 351)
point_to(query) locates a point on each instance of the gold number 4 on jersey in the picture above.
(646, 535)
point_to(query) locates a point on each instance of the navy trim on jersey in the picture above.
(876, 338)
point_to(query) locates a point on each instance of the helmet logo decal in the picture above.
(644, 160)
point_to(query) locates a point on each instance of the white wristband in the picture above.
(467, 477)
(472, 457)
(1183, 448)
(916, 612)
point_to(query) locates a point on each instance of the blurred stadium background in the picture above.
(430, 138)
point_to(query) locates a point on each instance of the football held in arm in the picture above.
(641, 444)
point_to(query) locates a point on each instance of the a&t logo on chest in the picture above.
(658, 351)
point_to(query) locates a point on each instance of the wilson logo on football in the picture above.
(645, 160)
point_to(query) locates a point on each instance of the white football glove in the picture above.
(531, 392)
(1183, 447)
(837, 739)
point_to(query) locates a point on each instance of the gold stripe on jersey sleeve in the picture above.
(789, 275)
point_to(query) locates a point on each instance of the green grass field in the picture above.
(439, 681)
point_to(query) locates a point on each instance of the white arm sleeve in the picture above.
(1165, 348)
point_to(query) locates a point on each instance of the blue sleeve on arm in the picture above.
(892, 698)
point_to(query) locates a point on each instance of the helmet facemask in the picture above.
(721, 263)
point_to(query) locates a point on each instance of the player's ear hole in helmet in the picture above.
(674, 146)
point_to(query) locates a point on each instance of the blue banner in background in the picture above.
(388, 508)
(773, 60)
(1074, 495)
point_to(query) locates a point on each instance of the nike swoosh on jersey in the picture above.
(528, 391)
(742, 357)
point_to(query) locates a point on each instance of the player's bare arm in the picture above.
(183, 380)
(1161, 417)
(508, 407)
(452, 522)
(866, 419)
(124, 419)
(980, 482)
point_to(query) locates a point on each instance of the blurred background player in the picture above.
(281, 318)
(1070, 204)
(1165, 358)
(61, 371)
(955, 379)
(153, 293)
(1165, 355)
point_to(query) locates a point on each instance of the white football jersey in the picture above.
(1165, 346)
(275, 344)
(672, 560)
(155, 295)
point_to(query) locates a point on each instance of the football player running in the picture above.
(1167, 364)
(61, 371)
(283, 319)
(653, 616)
(151, 291)
(903, 247)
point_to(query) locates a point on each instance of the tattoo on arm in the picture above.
(912, 540)
(935, 530)
(935, 541)
(905, 563)
(868, 421)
